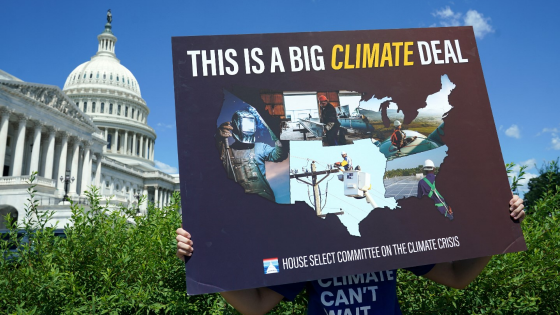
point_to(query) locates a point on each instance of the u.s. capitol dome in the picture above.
(109, 93)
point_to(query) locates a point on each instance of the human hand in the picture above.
(184, 244)
(225, 129)
(516, 207)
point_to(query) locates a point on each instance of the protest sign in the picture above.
(312, 155)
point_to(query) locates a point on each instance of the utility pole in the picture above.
(314, 183)
(316, 188)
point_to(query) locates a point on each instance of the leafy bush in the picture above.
(115, 262)
(111, 262)
(516, 283)
(549, 173)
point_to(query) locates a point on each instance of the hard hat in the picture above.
(322, 98)
(397, 123)
(429, 165)
(342, 153)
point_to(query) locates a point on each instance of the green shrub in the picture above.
(115, 262)
(516, 283)
(549, 173)
(111, 262)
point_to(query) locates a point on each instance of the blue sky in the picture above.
(518, 44)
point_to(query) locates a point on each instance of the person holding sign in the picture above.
(369, 293)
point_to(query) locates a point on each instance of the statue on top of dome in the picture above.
(109, 16)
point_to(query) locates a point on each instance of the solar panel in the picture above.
(401, 187)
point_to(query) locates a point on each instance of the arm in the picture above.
(278, 153)
(253, 301)
(248, 302)
(459, 274)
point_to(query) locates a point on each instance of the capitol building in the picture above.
(93, 131)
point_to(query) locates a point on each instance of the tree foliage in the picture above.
(408, 171)
(549, 173)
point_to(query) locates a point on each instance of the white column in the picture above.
(36, 148)
(115, 146)
(74, 167)
(18, 156)
(147, 148)
(105, 146)
(141, 144)
(152, 150)
(86, 170)
(62, 164)
(145, 204)
(98, 172)
(49, 160)
(125, 143)
(4, 123)
(156, 196)
(89, 168)
(133, 153)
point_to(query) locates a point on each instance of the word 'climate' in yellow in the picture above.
(367, 55)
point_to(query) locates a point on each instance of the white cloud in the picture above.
(555, 142)
(169, 126)
(166, 168)
(525, 180)
(530, 163)
(545, 130)
(513, 132)
(449, 18)
(481, 25)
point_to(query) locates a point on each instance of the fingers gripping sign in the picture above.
(516, 208)
(184, 244)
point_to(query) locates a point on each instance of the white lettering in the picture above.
(208, 61)
(389, 275)
(276, 61)
(356, 279)
(324, 300)
(295, 58)
(317, 61)
(427, 58)
(371, 276)
(458, 48)
(193, 54)
(373, 295)
(436, 52)
(323, 284)
(234, 67)
(449, 53)
(340, 298)
(355, 296)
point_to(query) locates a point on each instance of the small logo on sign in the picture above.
(270, 265)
